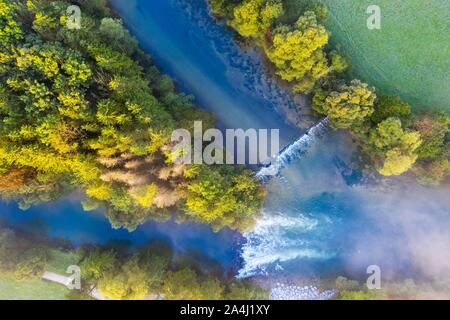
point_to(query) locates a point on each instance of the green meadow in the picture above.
(32, 289)
(408, 56)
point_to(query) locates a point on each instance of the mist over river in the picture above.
(323, 216)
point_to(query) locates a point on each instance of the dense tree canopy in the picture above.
(156, 272)
(433, 165)
(348, 106)
(85, 108)
(222, 8)
(396, 148)
(298, 54)
(207, 201)
(433, 128)
(252, 18)
(390, 106)
(129, 282)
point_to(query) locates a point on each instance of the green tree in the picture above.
(224, 197)
(155, 265)
(222, 8)
(393, 149)
(118, 37)
(130, 283)
(361, 295)
(212, 289)
(185, 284)
(182, 285)
(339, 64)
(97, 264)
(239, 290)
(21, 258)
(252, 18)
(390, 106)
(9, 255)
(298, 54)
(10, 30)
(32, 263)
(432, 172)
(433, 128)
(348, 106)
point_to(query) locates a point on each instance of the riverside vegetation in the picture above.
(86, 109)
(393, 138)
(119, 272)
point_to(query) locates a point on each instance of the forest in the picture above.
(85, 109)
(394, 140)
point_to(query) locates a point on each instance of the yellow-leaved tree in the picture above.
(393, 148)
(253, 17)
(348, 106)
(298, 54)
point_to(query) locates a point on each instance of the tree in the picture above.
(348, 106)
(239, 290)
(361, 295)
(390, 106)
(338, 63)
(155, 267)
(432, 172)
(10, 30)
(222, 8)
(97, 264)
(297, 52)
(392, 148)
(117, 35)
(113, 287)
(223, 197)
(21, 258)
(129, 283)
(396, 163)
(433, 166)
(16, 179)
(212, 289)
(252, 18)
(32, 263)
(9, 253)
(145, 196)
(433, 128)
(182, 285)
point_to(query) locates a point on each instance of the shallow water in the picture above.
(65, 219)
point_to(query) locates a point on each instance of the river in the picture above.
(322, 216)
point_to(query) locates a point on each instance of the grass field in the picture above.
(37, 289)
(408, 56)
